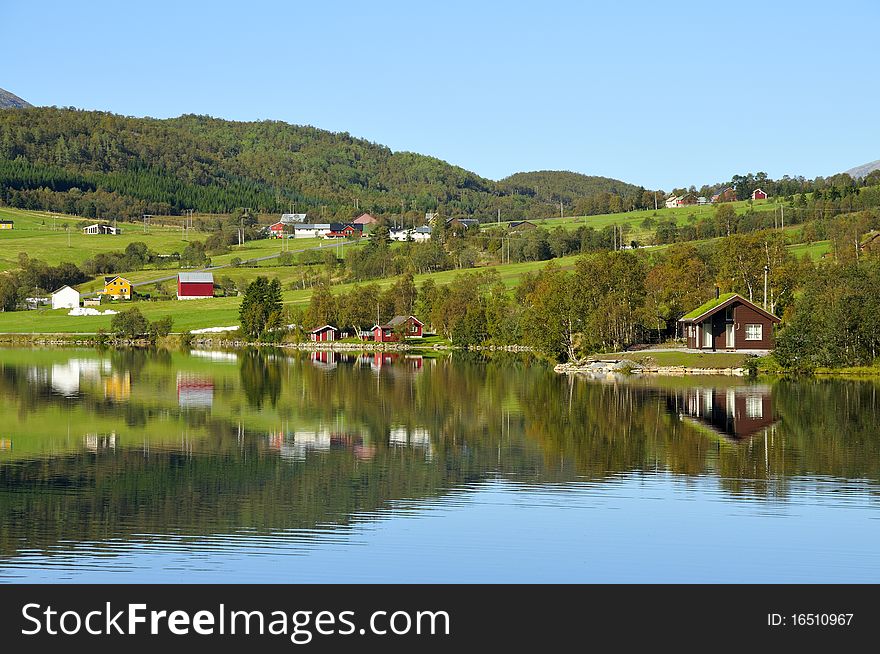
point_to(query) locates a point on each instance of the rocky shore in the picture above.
(604, 368)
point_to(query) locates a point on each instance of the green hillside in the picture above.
(97, 164)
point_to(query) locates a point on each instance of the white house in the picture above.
(310, 230)
(99, 228)
(674, 201)
(65, 298)
(418, 234)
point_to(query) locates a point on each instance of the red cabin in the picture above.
(345, 230)
(323, 334)
(277, 230)
(195, 285)
(410, 326)
(758, 194)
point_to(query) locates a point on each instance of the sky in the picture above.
(661, 94)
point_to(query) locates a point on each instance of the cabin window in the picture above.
(754, 332)
(728, 314)
(754, 406)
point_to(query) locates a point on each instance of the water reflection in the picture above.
(734, 413)
(113, 447)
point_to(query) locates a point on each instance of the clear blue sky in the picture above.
(660, 94)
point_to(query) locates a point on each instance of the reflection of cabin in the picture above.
(409, 326)
(323, 334)
(735, 413)
(729, 322)
(324, 359)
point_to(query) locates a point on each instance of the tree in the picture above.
(261, 307)
(162, 327)
(130, 323)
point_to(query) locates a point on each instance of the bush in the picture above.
(162, 327)
(130, 323)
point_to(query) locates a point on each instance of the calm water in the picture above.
(136, 466)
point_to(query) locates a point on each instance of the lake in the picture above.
(278, 466)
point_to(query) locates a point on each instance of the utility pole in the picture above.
(560, 209)
(655, 200)
(499, 217)
(68, 236)
(783, 217)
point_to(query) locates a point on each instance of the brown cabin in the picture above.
(729, 322)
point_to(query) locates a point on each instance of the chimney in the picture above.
(717, 292)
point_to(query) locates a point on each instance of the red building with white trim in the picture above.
(195, 285)
(388, 333)
(323, 334)
(758, 194)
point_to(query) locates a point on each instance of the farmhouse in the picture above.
(729, 322)
(118, 288)
(323, 334)
(410, 326)
(276, 230)
(65, 298)
(725, 195)
(195, 285)
(344, 230)
(309, 230)
(365, 219)
(7, 224)
(674, 201)
(467, 223)
(418, 234)
(101, 228)
(758, 194)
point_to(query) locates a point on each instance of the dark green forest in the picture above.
(98, 164)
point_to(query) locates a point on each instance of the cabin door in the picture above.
(707, 334)
(728, 335)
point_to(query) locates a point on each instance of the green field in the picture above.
(633, 220)
(813, 250)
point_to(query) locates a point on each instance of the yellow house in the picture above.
(7, 224)
(118, 288)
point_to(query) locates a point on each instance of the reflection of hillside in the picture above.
(276, 440)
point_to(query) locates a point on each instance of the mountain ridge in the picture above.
(11, 101)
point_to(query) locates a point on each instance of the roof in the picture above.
(110, 278)
(321, 329)
(520, 223)
(65, 287)
(290, 218)
(311, 226)
(365, 219)
(424, 229)
(202, 277)
(399, 320)
(338, 227)
(716, 304)
(7, 222)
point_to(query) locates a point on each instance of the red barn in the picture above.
(323, 334)
(387, 333)
(195, 285)
(277, 230)
(758, 194)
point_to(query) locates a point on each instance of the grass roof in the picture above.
(708, 306)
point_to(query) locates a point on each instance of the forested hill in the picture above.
(104, 165)
(11, 101)
(577, 190)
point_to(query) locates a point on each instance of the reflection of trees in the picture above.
(485, 416)
(260, 377)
